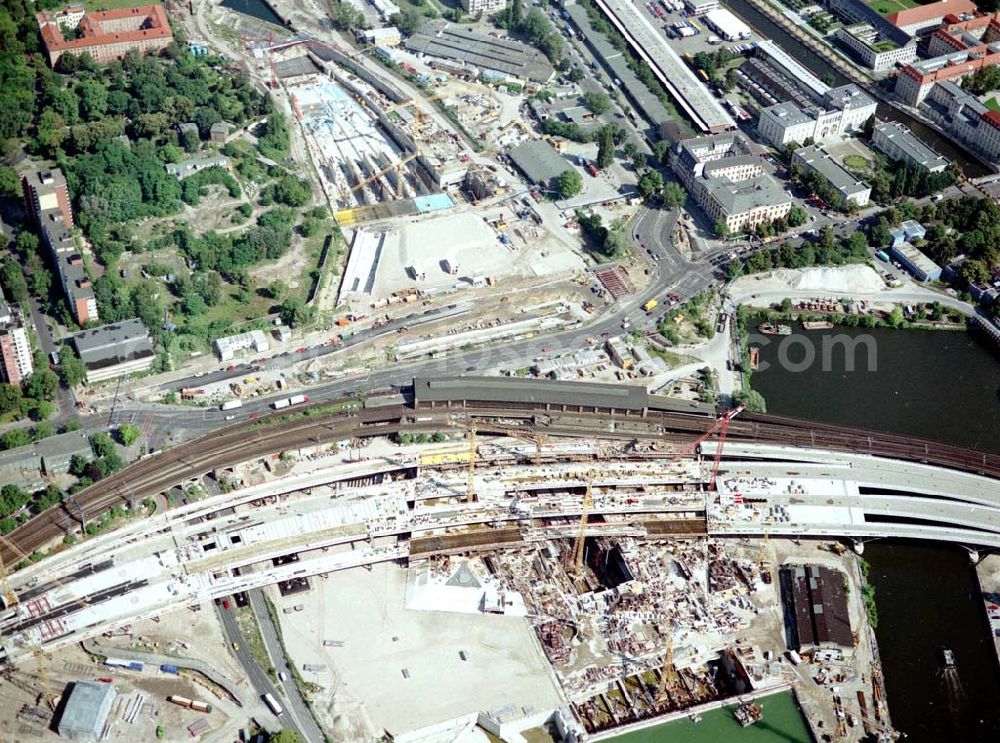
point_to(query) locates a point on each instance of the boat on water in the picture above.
(770, 329)
(816, 324)
(947, 657)
(748, 713)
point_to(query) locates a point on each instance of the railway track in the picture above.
(231, 446)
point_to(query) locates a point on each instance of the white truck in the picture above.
(297, 399)
(231, 405)
(279, 404)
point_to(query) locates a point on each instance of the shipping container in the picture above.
(231, 405)
(297, 399)
(201, 707)
(168, 668)
(116, 662)
(279, 404)
(179, 700)
(136, 665)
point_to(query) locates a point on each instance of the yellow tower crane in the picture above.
(9, 597)
(668, 674)
(579, 547)
(43, 672)
(470, 474)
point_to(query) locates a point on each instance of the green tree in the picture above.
(71, 368)
(597, 102)
(128, 434)
(753, 400)
(569, 183)
(41, 384)
(605, 147)
(285, 736)
(10, 398)
(674, 195)
(294, 312)
(14, 438)
(651, 182)
(797, 216)
(721, 229)
(10, 182)
(102, 444)
(13, 282)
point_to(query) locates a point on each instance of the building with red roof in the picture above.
(107, 34)
(915, 20)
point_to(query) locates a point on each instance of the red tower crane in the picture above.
(722, 427)
(270, 57)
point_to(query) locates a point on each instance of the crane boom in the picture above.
(579, 547)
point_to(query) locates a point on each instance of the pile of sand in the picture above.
(846, 280)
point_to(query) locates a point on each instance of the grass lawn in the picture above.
(855, 162)
(888, 7)
(992, 104)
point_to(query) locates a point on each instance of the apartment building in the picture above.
(15, 348)
(44, 190)
(957, 49)
(473, 7)
(47, 200)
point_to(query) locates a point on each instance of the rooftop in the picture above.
(454, 42)
(113, 344)
(787, 113)
(86, 710)
(538, 160)
(847, 98)
(123, 25)
(744, 196)
(932, 12)
(819, 160)
(819, 602)
(914, 150)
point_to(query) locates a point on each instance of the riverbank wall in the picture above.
(988, 574)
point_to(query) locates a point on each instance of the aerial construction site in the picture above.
(476, 575)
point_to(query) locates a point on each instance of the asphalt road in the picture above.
(296, 706)
(170, 424)
(259, 681)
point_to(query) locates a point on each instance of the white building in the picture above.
(817, 160)
(843, 110)
(700, 7)
(899, 143)
(472, 7)
(729, 182)
(966, 118)
(727, 25)
(874, 51)
(387, 36)
(229, 346)
(15, 353)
